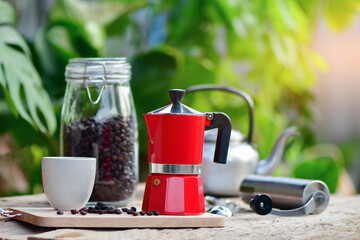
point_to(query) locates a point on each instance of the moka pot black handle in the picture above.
(244, 95)
(222, 122)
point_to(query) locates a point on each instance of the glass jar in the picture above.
(98, 119)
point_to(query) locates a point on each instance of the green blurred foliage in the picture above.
(20, 82)
(319, 168)
(261, 47)
(321, 161)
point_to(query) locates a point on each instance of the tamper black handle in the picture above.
(176, 95)
(261, 204)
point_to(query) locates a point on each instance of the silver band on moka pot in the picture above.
(180, 169)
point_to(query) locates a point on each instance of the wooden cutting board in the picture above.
(47, 217)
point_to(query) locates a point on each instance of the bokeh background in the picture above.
(298, 59)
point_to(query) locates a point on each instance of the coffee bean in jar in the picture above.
(105, 128)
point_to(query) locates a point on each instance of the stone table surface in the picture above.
(341, 220)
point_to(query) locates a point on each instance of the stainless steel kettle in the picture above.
(243, 158)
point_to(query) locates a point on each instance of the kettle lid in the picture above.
(176, 96)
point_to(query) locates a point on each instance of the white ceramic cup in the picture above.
(68, 181)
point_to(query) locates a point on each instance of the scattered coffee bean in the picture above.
(110, 211)
(130, 211)
(74, 211)
(84, 209)
(83, 212)
(101, 211)
(60, 212)
(156, 213)
(102, 208)
(92, 210)
(113, 142)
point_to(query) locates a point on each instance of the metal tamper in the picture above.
(284, 196)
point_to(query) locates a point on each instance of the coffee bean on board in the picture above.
(74, 211)
(101, 211)
(130, 211)
(92, 210)
(83, 209)
(111, 211)
(113, 142)
(135, 213)
(102, 208)
(124, 209)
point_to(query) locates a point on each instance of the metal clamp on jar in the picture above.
(292, 197)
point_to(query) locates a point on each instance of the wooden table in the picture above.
(341, 220)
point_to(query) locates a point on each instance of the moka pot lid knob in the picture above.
(177, 108)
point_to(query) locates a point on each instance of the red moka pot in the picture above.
(175, 145)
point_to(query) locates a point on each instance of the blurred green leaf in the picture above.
(340, 14)
(320, 161)
(67, 10)
(104, 12)
(319, 62)
(74, 32)
(350, 149)
(44, 52)
(121, 22)
(189, 25)
(22, 82)
(71, 40)
(7, 15)
(60, 39)
(50, 65)
(322, 168)
(152, 75)
(194, 71)
(94, 35)
(10, 38)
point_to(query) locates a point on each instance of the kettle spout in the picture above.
(268, 166)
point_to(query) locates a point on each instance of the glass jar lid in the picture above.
(98, 70)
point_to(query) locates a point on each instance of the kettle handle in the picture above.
(244, 95)
(222, 122)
